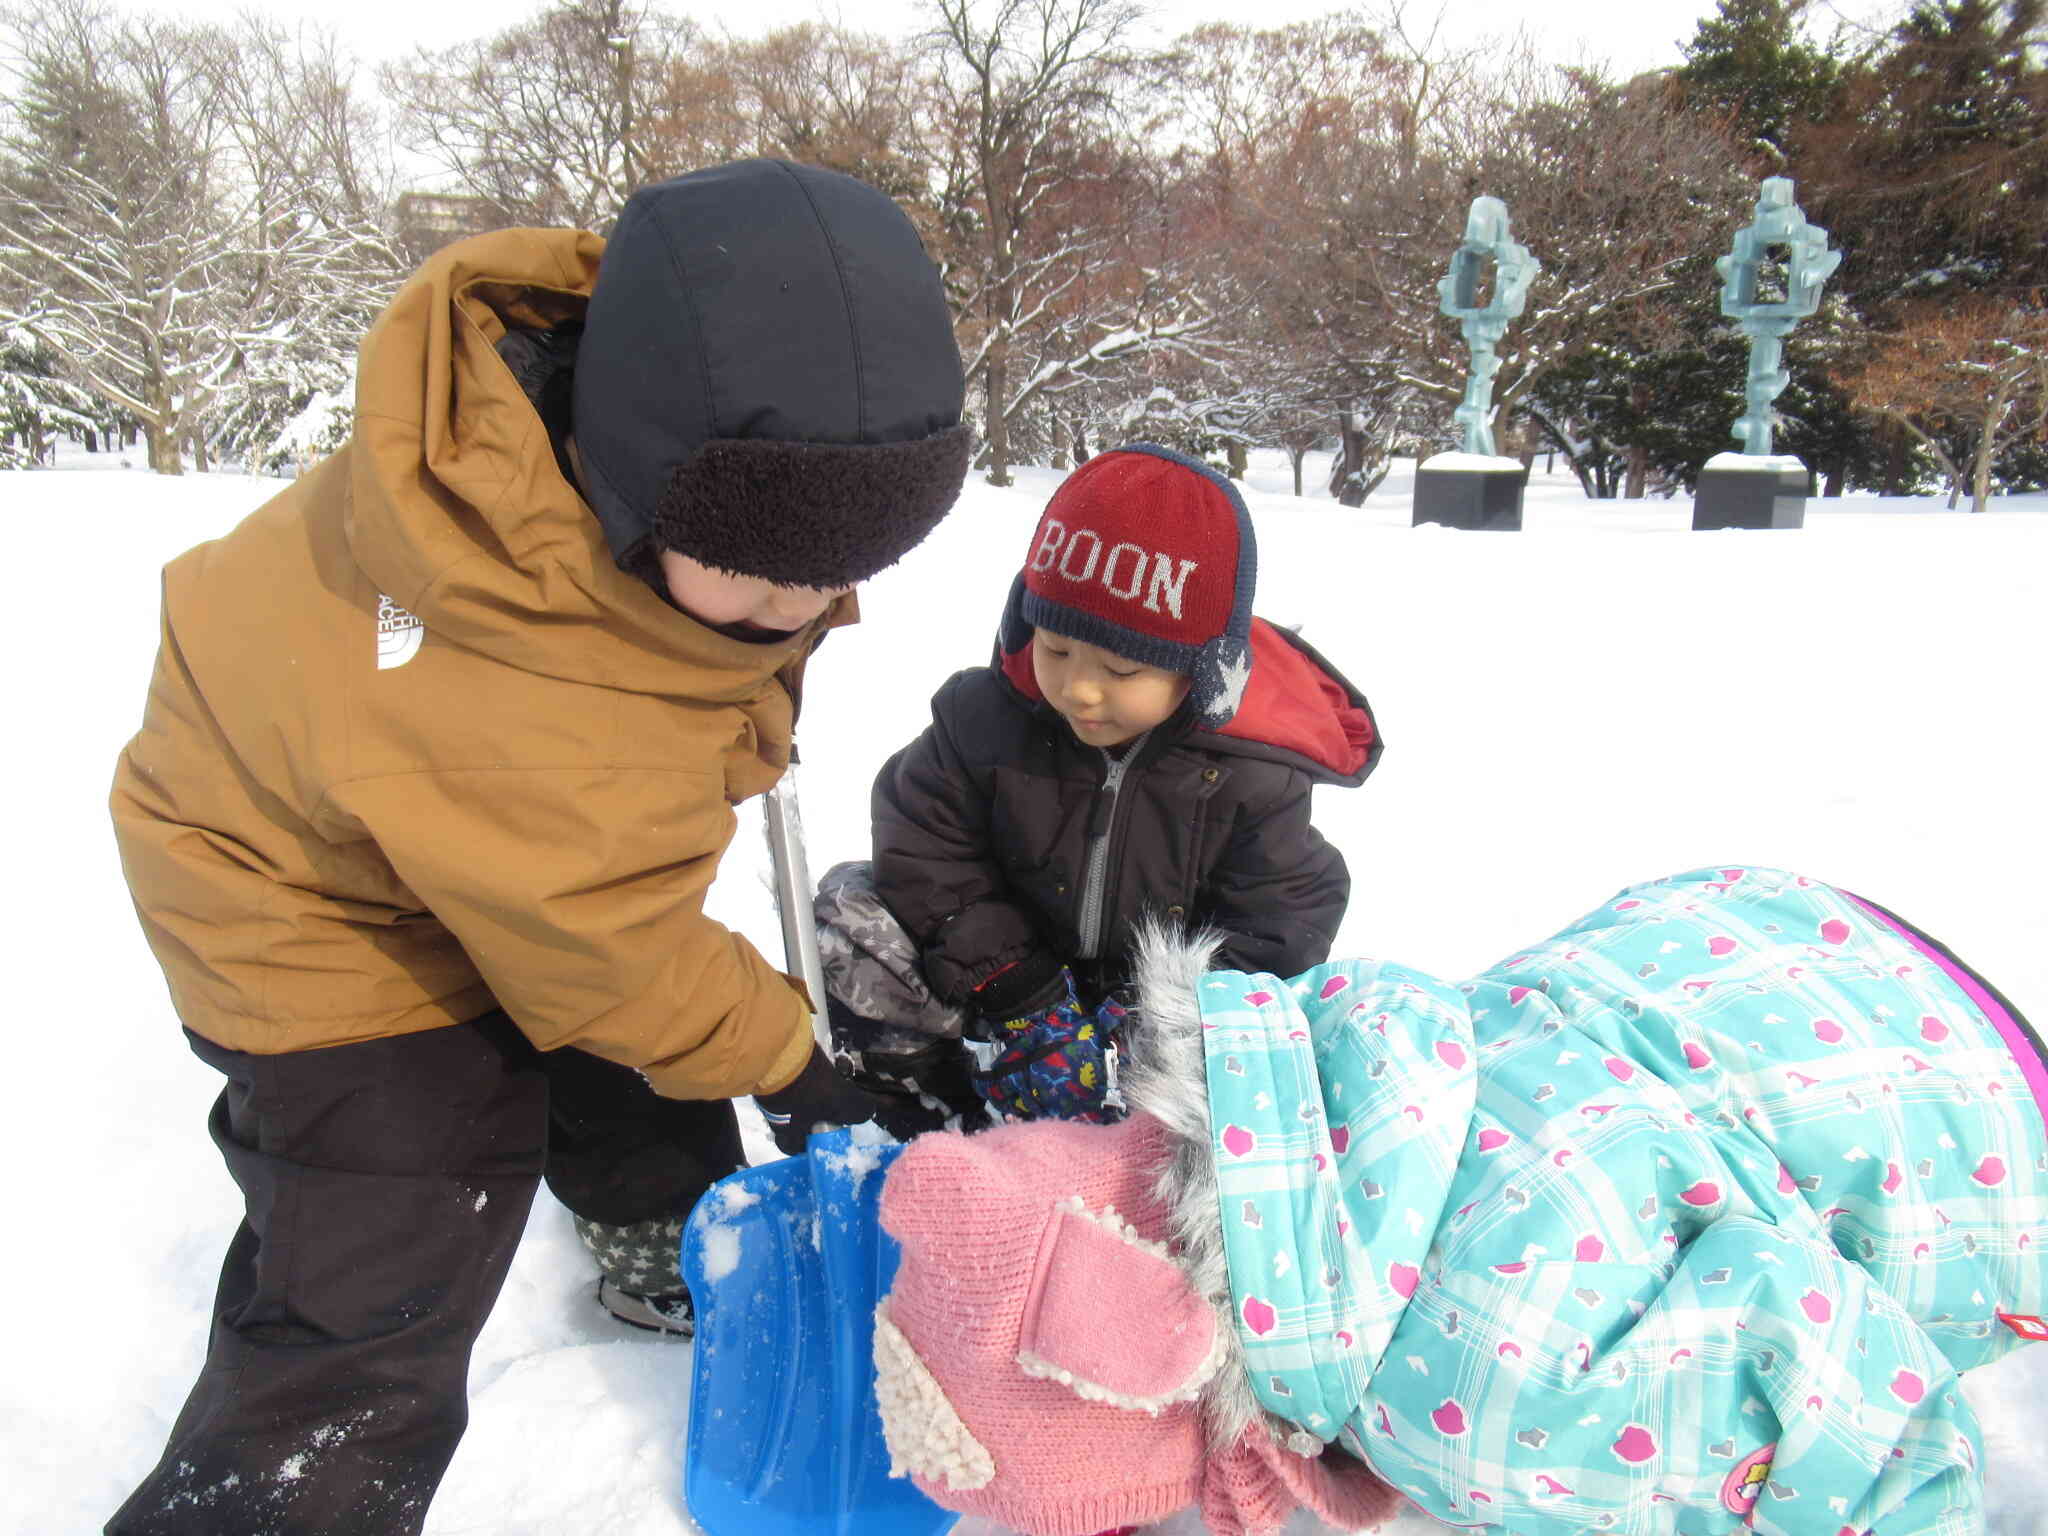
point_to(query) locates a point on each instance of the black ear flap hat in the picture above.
(768, 380)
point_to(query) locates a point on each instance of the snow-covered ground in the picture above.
(1602, 698)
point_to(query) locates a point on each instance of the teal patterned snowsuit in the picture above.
(1682, 1219)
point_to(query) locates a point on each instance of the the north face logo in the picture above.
(1123, 570)
(398, 634)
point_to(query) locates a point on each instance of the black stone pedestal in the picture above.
(1488, 499)
(1750, 498)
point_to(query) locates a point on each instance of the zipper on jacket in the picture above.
(1101, 818)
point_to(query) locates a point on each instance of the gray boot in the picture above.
(641, 1284)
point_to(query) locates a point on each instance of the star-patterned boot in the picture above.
(641, 1284)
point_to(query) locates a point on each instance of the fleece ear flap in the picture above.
(1014, 632)
(1013, 644)
(1112, 1316)
(1223, 668)
(1251, 1490)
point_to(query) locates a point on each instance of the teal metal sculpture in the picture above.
(1809, 262)
(1514, 269)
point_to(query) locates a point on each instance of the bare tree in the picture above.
(1975, 372)
(299, 119)
(1034, 106)
(828, 96)
(163, 245)
(551, 121)
(303, 148)
(1314, 147)
(1342, 155)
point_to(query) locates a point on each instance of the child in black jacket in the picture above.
(1140, 745)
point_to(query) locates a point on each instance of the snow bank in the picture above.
(1602, 697)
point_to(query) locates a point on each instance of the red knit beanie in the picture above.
(1149, 554)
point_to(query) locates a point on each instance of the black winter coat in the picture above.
(984, 827)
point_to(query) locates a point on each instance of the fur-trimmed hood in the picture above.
(1301, 1113)
(1165, 1076)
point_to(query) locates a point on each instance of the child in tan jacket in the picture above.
(438, 763)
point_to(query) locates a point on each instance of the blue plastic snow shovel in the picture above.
(786, 1262)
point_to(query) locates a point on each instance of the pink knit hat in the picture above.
(1042, 1356)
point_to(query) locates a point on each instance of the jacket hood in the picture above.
(1251, 1076)
(460, 514)
(1295, 708)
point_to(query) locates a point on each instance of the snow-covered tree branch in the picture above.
(186, 227)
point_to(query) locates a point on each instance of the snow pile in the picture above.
(863, 1155)
(1600, 698)
(321, 426)
(1491, 462)
(721, 1241)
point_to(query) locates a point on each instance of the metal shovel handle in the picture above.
(793, 897)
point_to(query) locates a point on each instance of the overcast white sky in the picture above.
(1628, 34)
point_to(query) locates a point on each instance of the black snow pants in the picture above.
(387, 1184)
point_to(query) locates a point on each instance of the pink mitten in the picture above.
(1042, 1356)
(1112, 1316)
(1039, 1355)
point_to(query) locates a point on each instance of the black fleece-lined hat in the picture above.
(768, 381)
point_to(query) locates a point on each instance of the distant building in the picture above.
(429, 220)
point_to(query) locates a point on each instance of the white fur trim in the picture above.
(925, 1433)
(1166, 1076)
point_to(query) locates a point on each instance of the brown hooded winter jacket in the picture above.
(416, 747)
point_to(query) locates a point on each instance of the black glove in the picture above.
(822, 1100)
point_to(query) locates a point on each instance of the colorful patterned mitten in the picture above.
(1057, 1063)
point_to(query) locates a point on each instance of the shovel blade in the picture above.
(786, 1263)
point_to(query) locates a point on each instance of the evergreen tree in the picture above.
(1646, 406)
(1751, 63)
(1934, 172)
(37, 406)
(1933, 175)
